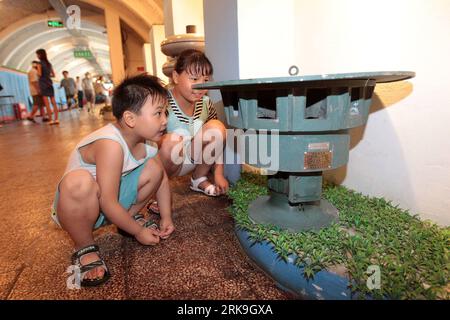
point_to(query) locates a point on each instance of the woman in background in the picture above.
(45, 71)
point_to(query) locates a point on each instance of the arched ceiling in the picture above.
(23, 30)
(18, 50)
(12, 11)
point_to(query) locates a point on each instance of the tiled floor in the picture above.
(202, 260)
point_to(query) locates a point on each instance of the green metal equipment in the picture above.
(310, 116)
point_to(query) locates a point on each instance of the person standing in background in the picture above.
(33, 80)
(98, 89)
(89, 92)
(46, 72)
(70, 88)
(79, 92)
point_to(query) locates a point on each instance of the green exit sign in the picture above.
(82, 54)
(55, 24)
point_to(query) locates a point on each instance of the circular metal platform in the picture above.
(306, 80)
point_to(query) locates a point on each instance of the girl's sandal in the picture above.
(210, 190)
(153, 207)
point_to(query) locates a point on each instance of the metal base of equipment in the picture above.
(275, 209)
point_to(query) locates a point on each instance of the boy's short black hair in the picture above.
(193, 62)
(65, 71)
(132, 93)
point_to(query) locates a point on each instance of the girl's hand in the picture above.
(166, 228)
(221, 183)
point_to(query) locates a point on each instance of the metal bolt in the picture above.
(293, 70)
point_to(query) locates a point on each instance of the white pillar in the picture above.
(147, 53)
(221, 38)
(250, 38)
(266, 33)
(157, 35)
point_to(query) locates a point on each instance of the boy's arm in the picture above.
(108, 156)
(164, 199)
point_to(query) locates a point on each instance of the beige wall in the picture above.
(112, 20)
(179, 13)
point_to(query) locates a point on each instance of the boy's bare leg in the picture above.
(154, 182)
(171, 153)
(149, 181)
(78, 209)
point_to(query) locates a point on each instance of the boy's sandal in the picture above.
(76, 260)
(138, 217)
(152, 207)
(209, 190)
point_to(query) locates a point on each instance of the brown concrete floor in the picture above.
(202, 260)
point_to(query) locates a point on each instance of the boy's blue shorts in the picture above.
(128, 191)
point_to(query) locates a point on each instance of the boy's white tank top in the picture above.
(112, 133)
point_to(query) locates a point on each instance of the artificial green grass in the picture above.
(412, 254)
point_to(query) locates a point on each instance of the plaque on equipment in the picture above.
(317, 160)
